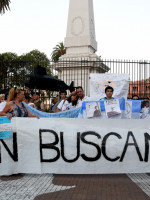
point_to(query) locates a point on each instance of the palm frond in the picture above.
(4, 6)
(58, 51)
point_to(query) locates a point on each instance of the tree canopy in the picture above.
(14, 68)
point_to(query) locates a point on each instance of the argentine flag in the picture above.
(5, 128)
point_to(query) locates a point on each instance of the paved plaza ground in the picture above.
(73, 187)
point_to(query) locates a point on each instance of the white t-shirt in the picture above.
(64, 105)
(145, 110)
(79, 103)
(2, 105)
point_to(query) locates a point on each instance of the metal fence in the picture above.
(13, 73)
(79, 70)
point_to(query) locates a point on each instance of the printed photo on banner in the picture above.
(144, 108)
(112, 107)
(93, 109)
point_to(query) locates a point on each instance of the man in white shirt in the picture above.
(81, 96)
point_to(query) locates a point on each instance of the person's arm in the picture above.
(59, 107)
(30, 114)
(58, 110)
(7, 108)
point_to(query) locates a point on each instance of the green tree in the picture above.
(58, 51)
(8, 69)
(33, 58)
(13, 68)
(4, 5)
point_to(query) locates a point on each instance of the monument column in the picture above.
(80, 59)
(80, 37)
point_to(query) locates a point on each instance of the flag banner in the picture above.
(5, 127)
(76, 146)
(90, 107)
(130, 109)
(72, 113)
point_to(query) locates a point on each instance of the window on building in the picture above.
(135, 89)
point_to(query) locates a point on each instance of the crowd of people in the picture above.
(14, 103)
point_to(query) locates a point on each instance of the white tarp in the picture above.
(76, 146)
(98, 83)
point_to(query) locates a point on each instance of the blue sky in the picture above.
(122, 27)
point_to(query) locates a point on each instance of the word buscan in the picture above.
(101, 150)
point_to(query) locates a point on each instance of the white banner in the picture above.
(98, 83)
(76, 146)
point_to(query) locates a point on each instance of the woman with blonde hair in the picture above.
(15, 107)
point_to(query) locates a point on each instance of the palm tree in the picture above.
(58, 51)
(4, 5)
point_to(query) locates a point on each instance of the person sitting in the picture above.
(109, 92)
(81, 96)
(68, 104)
(15, 107)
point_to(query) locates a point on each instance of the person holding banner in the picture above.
(81, 96)
(15, 107)
(37, 102)
(109, 92)
(62, 97)
(3, 104)
(68, 104)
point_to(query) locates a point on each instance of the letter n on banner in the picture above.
(13, 155)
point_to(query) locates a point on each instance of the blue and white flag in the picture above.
(5, 128)
(72, 113)
(101, 103)
(137, 109)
